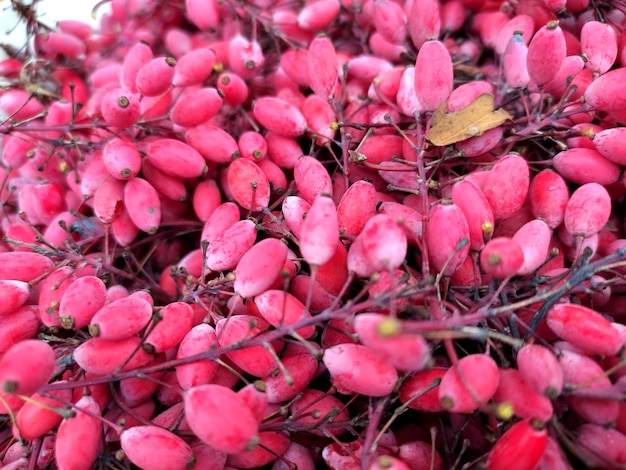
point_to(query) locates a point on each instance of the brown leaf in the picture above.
(471, 121)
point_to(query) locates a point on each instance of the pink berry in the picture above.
(601, 446)
(82, 299)
(514, 62)
(255, 360)
(358, 369)
(283, 309)
(580, 371)
(311, 178)
(255, 398)
(156, 448)
(200, 338)
(534, 239)
(579, 220)
(603, 93)
(173, 322)
(106, 324)
(194, 67)
(121, 159)
(278, 116)
(14, 294)
(120, 108)
(17, 325)
(233, 87)
(433, 83)
(475, 206)
(598, 43)
(155, 77)
(143, 205)
(546, 52)
(506, 186)
(248, 184)
(51, 292)
(23, 266)
(26, 366)
(213, 143)
(502, 257)
(136, 57)
(301, 366)
(224, 215)
(447, 238)
(318, 15)
(322, 68)
(220, 418)
(195, 107)
(390, 21)
(314, 407)
(78, 437)
(584, 165)
(424, 21)
(227, 249)
(548, 195)
(469, 383)
(382, 334)
(585, 328)
(319, 236)
(34, 421)
(176, 158)
(384, 243)
(102, 357)
(260, 267)
(252, 145)
(610, 144)
(513, 390)
(541, 370)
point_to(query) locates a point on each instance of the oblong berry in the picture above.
(121, 319)
(143, 205)
(152, 447)
(469, 383)
(322, 67)
(357, 369)
(406, 352)
(248, 184)
(173, 322)
(259, 267)
(282, 309)
(278, 116)
(85, 425)
(26, 366)
(587, 210)
(547, 196)
(447, 238)
(227, 249)
(522, 445)
(176, 158)
(102, 357)
(546, 53)
(433, 83)
(584, 328)
(220, 418)
(584, 165)
(155, 77)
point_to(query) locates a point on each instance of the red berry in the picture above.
(521, 446)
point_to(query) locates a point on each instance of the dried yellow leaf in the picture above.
(475, 119)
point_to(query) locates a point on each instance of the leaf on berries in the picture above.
(471, 121)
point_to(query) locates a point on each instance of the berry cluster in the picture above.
(344, 234)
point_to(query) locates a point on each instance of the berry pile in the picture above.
(342, 234)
